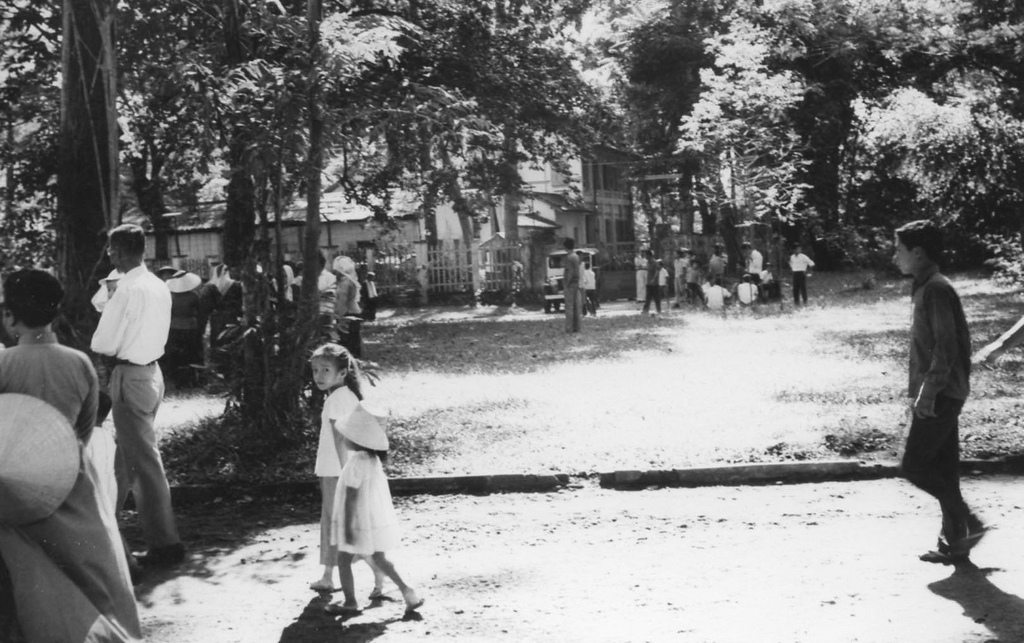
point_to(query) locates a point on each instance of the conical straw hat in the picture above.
(39, 459)
(365, 427)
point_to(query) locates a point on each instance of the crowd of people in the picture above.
(706, 285)
(66, 573)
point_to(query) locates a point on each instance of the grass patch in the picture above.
(506, 390)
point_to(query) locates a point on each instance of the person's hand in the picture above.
(989, 355)
(924, 407)
(350, 535)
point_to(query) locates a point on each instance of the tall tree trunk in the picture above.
(309, 298)
(240, 211)
(510, 187)
(87, 178)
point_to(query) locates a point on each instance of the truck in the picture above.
(554, 288)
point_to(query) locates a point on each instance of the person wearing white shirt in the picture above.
(754, 260)
(588, 282)
(133, 330)
(679, 269)
(715, 296)
(746, 292)
(799, 263)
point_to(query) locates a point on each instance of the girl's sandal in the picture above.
(340, 609)
(412, 601)
(321, 586)
(376, 595)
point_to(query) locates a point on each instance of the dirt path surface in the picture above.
(833, 562)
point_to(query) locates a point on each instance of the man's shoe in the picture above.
(944, 558)
(166, 556)
(975, 532)
(134, 570)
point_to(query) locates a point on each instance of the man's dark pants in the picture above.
(799, 286)
(931, 462)
(653, 294)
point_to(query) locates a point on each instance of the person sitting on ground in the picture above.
(715, 296)
(746, 292)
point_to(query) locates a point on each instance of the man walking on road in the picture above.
(940, 365)
(133, 331)
(571, 285)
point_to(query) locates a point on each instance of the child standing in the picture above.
(336, 372)
(364, 521)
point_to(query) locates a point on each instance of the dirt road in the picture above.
(833, 562)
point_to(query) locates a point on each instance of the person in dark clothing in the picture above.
(652, 291)
(940, 367)
(368, 293)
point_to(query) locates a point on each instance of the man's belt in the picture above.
(123, 362)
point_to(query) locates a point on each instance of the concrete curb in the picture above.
(719, 475)
(473, 485)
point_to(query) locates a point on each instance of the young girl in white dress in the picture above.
(364, 521)
(335, 371)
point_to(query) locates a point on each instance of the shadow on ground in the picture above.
(210, 530)
(314, 625)
(515, 344)
(984, 603)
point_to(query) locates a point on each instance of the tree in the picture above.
(87, 179)
(30, 121)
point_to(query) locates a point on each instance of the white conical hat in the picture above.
(39, 459)
(365, 427)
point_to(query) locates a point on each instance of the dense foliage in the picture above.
(832, 121)
(827, 121)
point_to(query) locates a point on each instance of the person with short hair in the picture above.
(651, 291)
(753, 260)
(746, 292)
(715, 296)
(133, 330)
(801, 265)
(716, 264)
(680, 267)
(571, 287)
(940, 368)
(588, 281)
(68, 572)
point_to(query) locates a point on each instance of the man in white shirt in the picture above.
(679, 271)
(133, 330)
(753, 265)
(715, 296)
(799, 263)
(746, 292)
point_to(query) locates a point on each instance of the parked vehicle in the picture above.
(554, 288)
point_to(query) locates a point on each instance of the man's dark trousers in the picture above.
(931, 462)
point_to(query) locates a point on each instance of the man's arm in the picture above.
(993, 352)
(111, 328)
(940, 306)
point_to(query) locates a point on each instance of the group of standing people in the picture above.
(70, 573)
(695, 285)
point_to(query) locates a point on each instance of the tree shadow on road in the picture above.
(316, 626)
(984, 603)
(214, 529)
